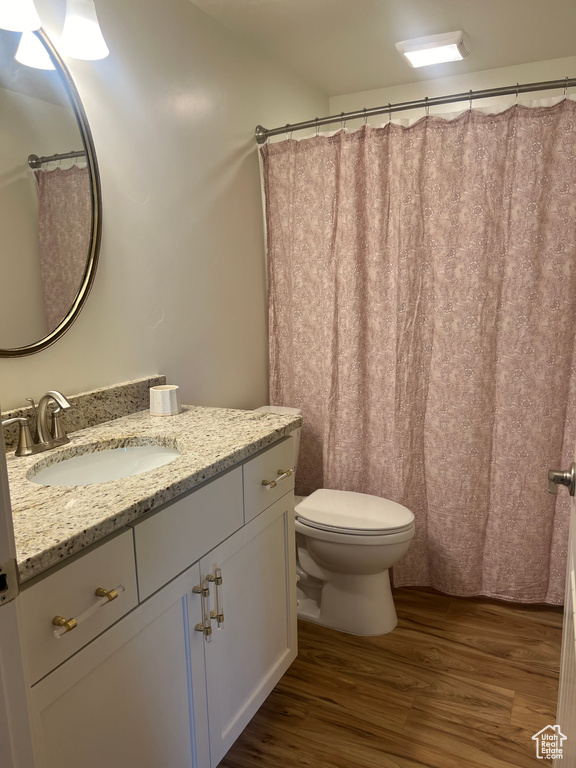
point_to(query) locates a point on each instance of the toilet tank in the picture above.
(287, 412)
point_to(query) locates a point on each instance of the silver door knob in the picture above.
(556, 477)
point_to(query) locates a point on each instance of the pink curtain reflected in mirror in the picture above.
(64, 199)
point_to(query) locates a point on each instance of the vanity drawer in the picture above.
(173, 538)
(69, 591)
(266, 467)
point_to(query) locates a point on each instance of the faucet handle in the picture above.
(45, 437)
(35, 411)
(25, 441)
(58, 431)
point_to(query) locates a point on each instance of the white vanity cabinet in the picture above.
(153, 690)
(127, 698)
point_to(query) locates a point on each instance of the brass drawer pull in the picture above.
(101, 592)
(67, 625)
(218, 613)
(283, 474)
(206, 625)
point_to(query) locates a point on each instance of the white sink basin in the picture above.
(104, 466)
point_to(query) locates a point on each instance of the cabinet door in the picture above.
(256, 642)
(135, 697)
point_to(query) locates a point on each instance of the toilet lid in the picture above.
(350, 512)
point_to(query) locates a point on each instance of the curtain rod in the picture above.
(262, 134)
(36, 162)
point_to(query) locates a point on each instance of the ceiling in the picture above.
(347, 46)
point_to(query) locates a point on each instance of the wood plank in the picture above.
(364, 745)
(283, 710)
(532, 713)
(525, 633)
(249, 752)
(382, 704)
(468, 703)
(531, 615)
(410, 601)
(530, 668)
(489, 744)
(395, 688)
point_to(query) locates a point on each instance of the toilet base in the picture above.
(358, 605)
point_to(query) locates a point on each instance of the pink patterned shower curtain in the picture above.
(423, 316)
(64, 225)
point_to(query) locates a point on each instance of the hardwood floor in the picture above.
(458, 684)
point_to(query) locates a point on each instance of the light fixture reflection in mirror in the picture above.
(32, 53)
(50, 217)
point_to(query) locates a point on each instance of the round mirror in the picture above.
(50, 209)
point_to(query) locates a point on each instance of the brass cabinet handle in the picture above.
(283, 474)
(218, 613)
(67, 625)
(206, 625)
(101, 592)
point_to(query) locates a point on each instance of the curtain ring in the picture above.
(317, 126)
(288, 136)
(365, 116)
(342, 121)
(517, 88)
(470, 99)
(426, 107)
(566, 88)
(389, 112)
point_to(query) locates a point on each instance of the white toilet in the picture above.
(345, 544)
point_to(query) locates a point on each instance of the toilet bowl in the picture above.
(345, 544)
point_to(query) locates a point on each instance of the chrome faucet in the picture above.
(47, 439)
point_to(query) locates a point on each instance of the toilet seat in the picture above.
(353, 513)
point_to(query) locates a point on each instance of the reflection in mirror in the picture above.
(49, 205)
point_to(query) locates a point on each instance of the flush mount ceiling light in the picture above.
(435, 49)
(81, 36)
(19, 16)
(32, 53)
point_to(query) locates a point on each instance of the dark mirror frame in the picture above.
(96, 224)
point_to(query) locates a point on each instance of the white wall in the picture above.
(556, 69)
(181, 287)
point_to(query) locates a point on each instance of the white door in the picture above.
(15, 736)
(566, 715)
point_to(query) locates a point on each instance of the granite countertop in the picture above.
(53, 523)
